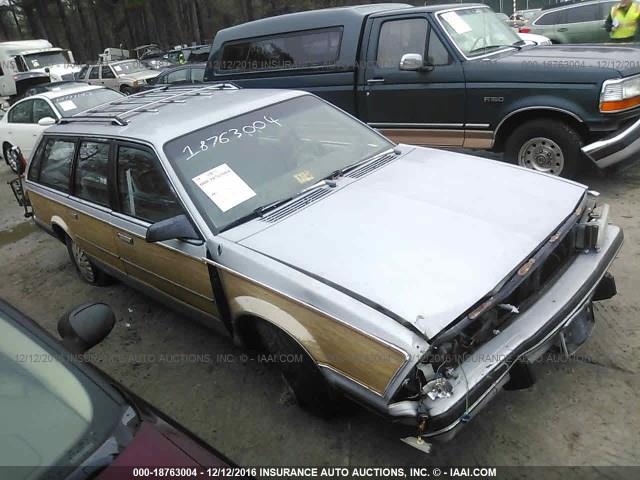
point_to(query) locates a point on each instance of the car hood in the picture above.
(425, 236)
(586, 63)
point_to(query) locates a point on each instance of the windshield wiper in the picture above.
(260, 211)
(343, 171)
(512, 45)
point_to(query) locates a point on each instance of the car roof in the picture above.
(158, 115)
(51, 95)
(62, 92)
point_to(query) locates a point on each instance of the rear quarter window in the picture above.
(552, 18)
(310, 48)
(55, 163)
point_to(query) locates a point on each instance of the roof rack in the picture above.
(118, 112)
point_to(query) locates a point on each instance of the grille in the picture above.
(370, 167)
(297, 205)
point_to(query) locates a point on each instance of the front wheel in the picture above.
(548, 146)
(300, 372)
(126, 90)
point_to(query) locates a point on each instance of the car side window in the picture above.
(41, 109)
(177, 76)
(92, 172)
(584, 13)
(55, 164)
(552, 18)
(197, 75)
(107, 72)
(82, 73)
(93, 74)
(398, 37)
(22, 112)
(143, 189)
(437, 53)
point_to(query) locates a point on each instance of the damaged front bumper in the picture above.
(620, 147)
(561, 316)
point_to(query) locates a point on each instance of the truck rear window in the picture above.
(311, 48)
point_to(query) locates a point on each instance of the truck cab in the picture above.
(30, 62)
(447, 76)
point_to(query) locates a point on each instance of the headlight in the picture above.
(619, 95)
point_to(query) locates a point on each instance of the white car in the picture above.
(23, 123)
(535, 38)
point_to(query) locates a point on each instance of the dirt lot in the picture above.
(580, 412)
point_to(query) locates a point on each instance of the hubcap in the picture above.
(543, 155)
(12, 158)
(82, 261)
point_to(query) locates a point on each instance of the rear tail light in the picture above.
(524, 30)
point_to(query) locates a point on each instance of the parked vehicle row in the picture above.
(448, 75)
(243, 208)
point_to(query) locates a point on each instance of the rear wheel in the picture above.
(11, 157)
(548, 146)
(299, 371)
(85, 267)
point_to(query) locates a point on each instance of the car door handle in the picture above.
(563, 29)
(125, 238)
(375, 80)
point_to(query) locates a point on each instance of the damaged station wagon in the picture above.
(415, 281)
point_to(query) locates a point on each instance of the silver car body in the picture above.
(397, 254)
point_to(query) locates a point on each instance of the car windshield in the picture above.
(52, 414)
(131, 66)
(73, 103)
(477, 31)
(45, 59)
(233, 167)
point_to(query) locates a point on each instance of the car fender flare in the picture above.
(540, 108)
(57, 221)
(252, 307)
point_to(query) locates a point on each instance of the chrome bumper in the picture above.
(621, 146)
(544, 324)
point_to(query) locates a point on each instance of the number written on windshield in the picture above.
(230, 134)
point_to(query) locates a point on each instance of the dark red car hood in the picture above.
(158, 446)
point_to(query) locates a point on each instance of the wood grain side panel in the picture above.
(363, 358)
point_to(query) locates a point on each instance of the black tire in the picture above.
(310, 388)
(126, 90)
(86, 269)
(13, 163)
(561, 156)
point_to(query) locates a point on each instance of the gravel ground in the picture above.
(580, 412)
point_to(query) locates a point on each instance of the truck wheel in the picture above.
(85, 267)
(548, 146)
(126, 90)
(299, 371)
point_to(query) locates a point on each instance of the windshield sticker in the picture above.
(67, 105)
(35, 63)
(456, 22)
(304, 176)
(231, 134)
(224, 187)
(117, 68)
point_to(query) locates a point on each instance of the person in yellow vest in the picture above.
(622, 22)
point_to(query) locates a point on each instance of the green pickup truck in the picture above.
(448, 76)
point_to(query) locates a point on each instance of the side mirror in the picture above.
(86, 326)
(46, 121)
(413, 62)
(175, 227)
